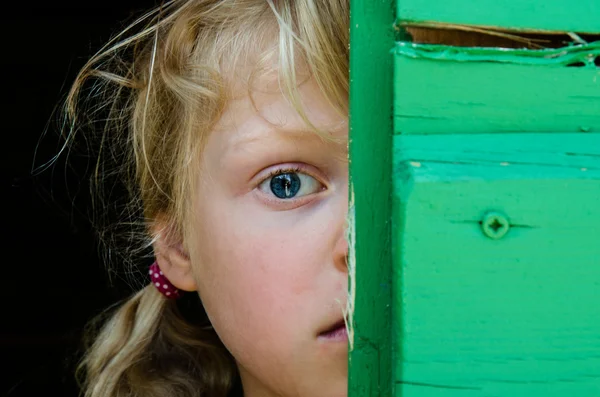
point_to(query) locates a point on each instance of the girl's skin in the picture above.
(271, 272)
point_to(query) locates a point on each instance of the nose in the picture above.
(340, 250)
(341, 254)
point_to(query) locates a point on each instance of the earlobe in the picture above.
(172, 258)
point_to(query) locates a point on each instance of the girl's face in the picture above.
(268, 247)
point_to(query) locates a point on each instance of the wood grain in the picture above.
(371, 68)
(551, 15)
(444, 96)
(518, 316)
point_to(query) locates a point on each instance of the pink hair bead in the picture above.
(161, 283)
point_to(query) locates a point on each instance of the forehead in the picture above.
(262, 112)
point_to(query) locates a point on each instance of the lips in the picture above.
(336, 332)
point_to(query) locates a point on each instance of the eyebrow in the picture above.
(294, 134)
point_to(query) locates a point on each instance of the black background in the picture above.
(52, 280)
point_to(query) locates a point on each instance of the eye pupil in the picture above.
(285, 185)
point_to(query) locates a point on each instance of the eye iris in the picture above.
(285, 185)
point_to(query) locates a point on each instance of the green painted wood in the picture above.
(515, 317)
(556, 15)
(463, 91)
(371, 68)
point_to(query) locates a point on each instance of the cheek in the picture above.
(259, 272)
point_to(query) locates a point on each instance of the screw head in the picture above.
(495, 225)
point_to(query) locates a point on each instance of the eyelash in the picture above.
(284, 171)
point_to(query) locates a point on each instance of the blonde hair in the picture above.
(152, 96)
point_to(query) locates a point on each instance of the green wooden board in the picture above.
(371, 70)
(443, 90)
(557, 15)
(517, 316)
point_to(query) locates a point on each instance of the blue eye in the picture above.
(285, 186)
(290, 184)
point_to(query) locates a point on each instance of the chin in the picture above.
(335, 385)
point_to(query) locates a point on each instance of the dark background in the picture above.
(52, 279)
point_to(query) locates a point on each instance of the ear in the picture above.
(173, 259)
